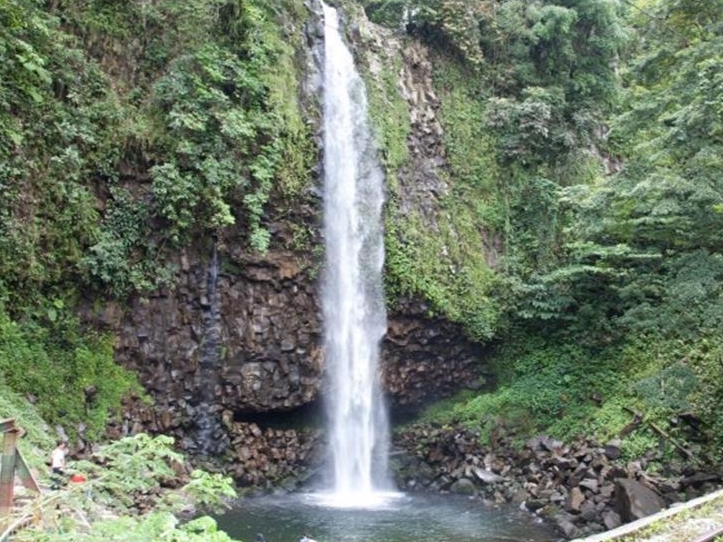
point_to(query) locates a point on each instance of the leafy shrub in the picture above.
(141, 465)
(543, 386)
(132, 467)
(158, 526)
(669, 389)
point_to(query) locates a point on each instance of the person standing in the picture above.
(57, 464)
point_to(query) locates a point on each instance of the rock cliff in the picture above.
(270, 364)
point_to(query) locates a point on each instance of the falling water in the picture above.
(206, 421)
(353, 301)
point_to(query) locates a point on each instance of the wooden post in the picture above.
(7, 470)
(11, 462)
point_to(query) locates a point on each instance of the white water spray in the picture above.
(353, 300)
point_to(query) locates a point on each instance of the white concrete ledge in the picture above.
(629, 528)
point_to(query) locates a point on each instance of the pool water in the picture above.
(405, 518)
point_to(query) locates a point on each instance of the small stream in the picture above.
(408, 518)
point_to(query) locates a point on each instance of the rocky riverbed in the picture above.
(583, 487)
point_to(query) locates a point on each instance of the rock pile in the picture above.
(263, 458)
(254, 456)
(583, 487)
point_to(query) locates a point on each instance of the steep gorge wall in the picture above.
(270, 326)
(271, 335)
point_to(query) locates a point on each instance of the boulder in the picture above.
(463, 486)
(613, 449)
(486, 477)
(634, 501)
(567, 527)
(611, 519)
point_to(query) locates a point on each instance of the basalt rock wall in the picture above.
(271, 344)
(268, 317)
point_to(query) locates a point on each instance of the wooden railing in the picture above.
(32, 514)
(12, 464)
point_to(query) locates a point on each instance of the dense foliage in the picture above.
(67, 372)
(580, 235)
(119, 146)
(122, 474)
(609, 203)
(524, 88)
(127, 131)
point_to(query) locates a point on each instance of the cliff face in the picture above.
(270, 358)
(267, 315)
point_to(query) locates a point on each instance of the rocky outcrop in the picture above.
(582, 487)
(269, 331)
(272, 457)
(265, 310)
(271, 357)
(427, 359)
(422, 182)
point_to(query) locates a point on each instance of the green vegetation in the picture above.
(123, 474)
(69, 373)
(158, 526)
(127, 132)
(118, 149)
(522, 95)
(584, 137)
(35, 443)
(576, 222)
(566, 390)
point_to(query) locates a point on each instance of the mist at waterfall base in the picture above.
(411, 518)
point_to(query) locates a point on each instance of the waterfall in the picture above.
(352, 296)
(207, 423)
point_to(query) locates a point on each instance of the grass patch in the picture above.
(69, 371)
(566, 390)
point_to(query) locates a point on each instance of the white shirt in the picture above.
(57, 458)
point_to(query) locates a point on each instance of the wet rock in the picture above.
(486, 477)
(463, 486)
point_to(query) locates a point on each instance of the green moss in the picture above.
(389, 113)
(442, 258)
(55, 360)
(282, 31)
(469, 145)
